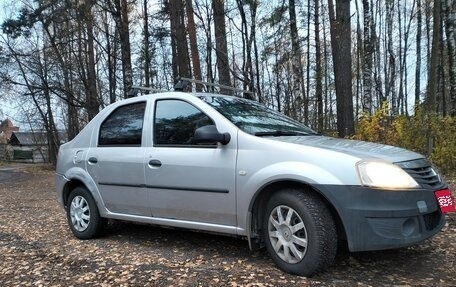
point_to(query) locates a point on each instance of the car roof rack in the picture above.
(182, 83)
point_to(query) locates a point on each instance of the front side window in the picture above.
(123, 127)
(175, 122)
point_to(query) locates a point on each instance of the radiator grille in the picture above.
(423, 173)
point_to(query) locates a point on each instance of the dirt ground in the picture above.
(38, 249)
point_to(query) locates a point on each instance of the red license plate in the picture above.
(445, 200)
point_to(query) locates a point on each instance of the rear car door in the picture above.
(187, 181)
(116, 163)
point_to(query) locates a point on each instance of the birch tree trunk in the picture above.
(427, 22)
(376, 39)
(403, 99)
(368, 48)
(418, 53)
(196, 65)
(358, 65)
(390, 83)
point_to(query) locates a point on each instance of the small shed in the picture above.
(30, 146)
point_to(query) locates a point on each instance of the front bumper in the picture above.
(375, 219)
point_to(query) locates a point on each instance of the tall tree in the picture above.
(110, 55)
(341, 52)
(253, 36)
(203, 11)
(450, 27)
(368, 49)
(296, 58)
(196, 65)
(92, 104)
(120, 14)
(248, 44)
(318, 69)
(390, 82)
(419, 23)
(376, 39)
(146, 45)
(181, 60)
(358, 64)
(221, 47)
(433, 78)
(404, 56)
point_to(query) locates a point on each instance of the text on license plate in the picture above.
(445, 200)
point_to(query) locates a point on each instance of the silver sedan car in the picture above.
(229, 165)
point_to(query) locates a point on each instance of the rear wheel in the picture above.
(299, 232)
(82, 214)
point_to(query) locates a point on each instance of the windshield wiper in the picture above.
(282, 133)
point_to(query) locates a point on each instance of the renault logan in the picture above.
(229, 165)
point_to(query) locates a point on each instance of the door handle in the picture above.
(93, 160)
(155, 163)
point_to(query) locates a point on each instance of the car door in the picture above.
(187, 181)
(116, 163)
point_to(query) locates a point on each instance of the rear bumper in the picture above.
(375, 219)
(60, 182)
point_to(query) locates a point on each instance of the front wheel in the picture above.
(299, 232)
(82, 214)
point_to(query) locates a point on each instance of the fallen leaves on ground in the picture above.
(38, 249)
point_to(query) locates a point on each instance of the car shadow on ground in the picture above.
(373, 267)
(171, 238)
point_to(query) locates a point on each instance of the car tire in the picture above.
(82, 214)
(299, 232)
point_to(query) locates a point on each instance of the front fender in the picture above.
(249, 186)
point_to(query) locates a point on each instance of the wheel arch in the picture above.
(261, 198)
(77, 177)
(70, 186)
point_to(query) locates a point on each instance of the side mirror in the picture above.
(210, 134)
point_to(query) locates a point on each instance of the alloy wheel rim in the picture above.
(287, 234)
(80, 213)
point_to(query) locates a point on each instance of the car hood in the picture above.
(361, 149)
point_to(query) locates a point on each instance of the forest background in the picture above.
(377, 70)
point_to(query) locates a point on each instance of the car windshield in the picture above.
(255, 118)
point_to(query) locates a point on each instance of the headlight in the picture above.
(385, 175)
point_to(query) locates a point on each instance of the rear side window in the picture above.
(176, 121)
(123, 127)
